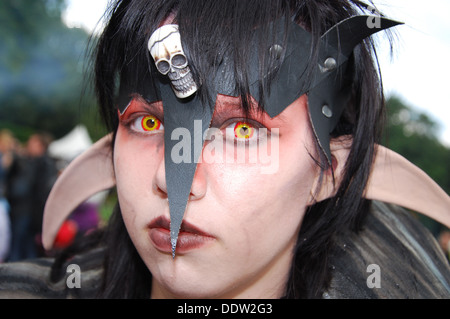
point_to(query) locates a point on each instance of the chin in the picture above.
(186, 278)
(185, 289)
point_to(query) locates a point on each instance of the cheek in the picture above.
(136, 161)
(130, 162)
(267, 208)
(246, 186)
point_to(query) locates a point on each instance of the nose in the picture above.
(159, 184)
(198, 188)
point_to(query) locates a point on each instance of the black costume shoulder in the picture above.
(410, 264)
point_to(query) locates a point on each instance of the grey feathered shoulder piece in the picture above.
(394, 256)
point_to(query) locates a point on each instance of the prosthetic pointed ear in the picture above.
(394, 180)
(85, 176)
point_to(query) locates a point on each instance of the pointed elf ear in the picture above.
(90, 173)
(394, 180)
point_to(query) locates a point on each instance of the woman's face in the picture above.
(241, 222)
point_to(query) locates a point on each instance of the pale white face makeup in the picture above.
(241, 225)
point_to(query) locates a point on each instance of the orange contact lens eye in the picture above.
(243, 130)
(150, 123)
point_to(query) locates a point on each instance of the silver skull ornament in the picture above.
(166, 49)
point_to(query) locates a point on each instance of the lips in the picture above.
(189, 238)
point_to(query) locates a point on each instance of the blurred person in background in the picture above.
(29, 182)
(6, 147)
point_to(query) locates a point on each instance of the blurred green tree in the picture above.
(42, 64)
(24, 23)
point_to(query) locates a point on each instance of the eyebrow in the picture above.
(227, 108)
(231, 106)
(139, 104)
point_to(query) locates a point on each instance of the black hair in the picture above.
(226, 25)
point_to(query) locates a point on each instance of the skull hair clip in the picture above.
(166, 49)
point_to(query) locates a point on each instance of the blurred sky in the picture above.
(418, 71)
